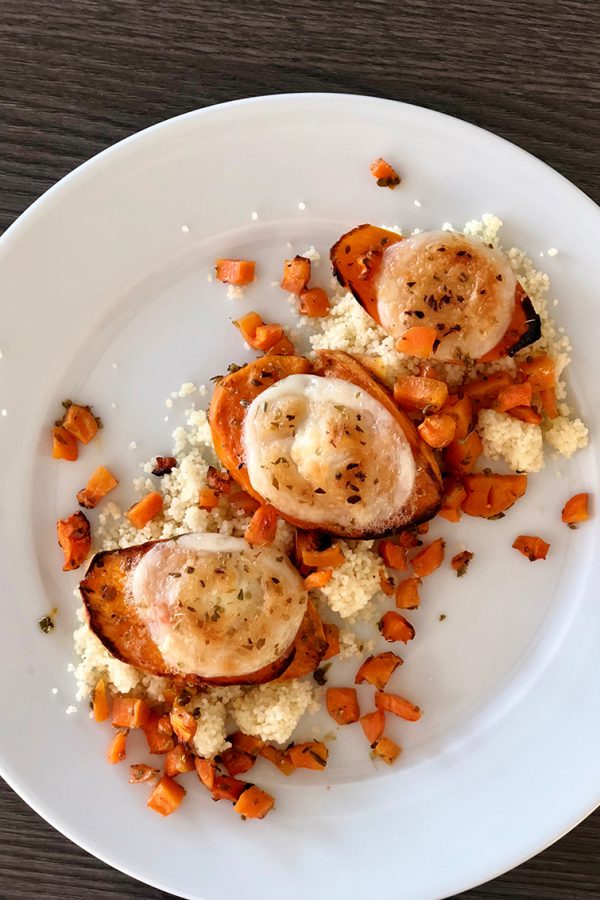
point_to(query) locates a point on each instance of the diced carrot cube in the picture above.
(283, 347)
(129, 712)
(145, 509)
(514, 395)
(526, 414)
(416, 393)
(384, 173)
(394, 627)
(208, 498)
(393, 555)
(461, 410)
(64, 444)
(438, 430)
(531, 546)
(397, 705)
(314, 303)
(418, 341)
(296, 274)
(331, 557)
(377, 670)
(228, 788)
(243, 503)
(248, 326)
(429, 558)
(159, 733)
(183, 723)
(311, 755)
(237, 761)
(373, 725)
(407, 593)
(75, 540)
(178, 761)
(207, 771)
(254, 803)
(539, 372)
(387, 750)
(266, 336)
(100, 706)
(576, 510)
(100, 483)
(81, 422)
(247, 743)
(235, 271)
(262, 527)
(461, 457)
(117, 748)
(166, 796)
(279, 758)
(342, 705)
(318, 579)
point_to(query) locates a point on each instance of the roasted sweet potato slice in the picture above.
(356, 258)
(114, 619)
(232, 396)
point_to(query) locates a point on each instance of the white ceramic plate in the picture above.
(99, 271)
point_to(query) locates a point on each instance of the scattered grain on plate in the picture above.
(113, 405)
(115, 365)
(418, 203)
(312, 254)
(132, 445)
(235, 292)
(254, 216)
(70, 710)
(519, 444)
(552, 251)
(185, 229)
(54, 691)
(209, 277)
(302, 205)
(4, 412)
(168, 403)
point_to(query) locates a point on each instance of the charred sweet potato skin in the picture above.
(356, 259)
(114, 620)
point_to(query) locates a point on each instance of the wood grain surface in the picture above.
(77, 76)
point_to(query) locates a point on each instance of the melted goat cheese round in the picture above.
(455, 284)
(216, 607)
(324, 451)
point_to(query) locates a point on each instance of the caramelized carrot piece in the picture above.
(429, 558)
(314, 303)
(417, 393)
(283, 347)
(394, 627)
(373, 724)
(219, 481)
(145, 509)
(454, 494)
(166, 796)
(461, 457)
(129, 712)
(75, 540)
(208, 498)
(377, 670)
(332, 636)
(183, 723)
(418, 341)
(207, 771)
(549, 405)
(331, 557)
(525, 414)
(410, 539)
(384, 173)
(228, 788)
(235, 271)
(279, 758)
(399, 706)
(393, 555)
(342, 705)
(246, 743)
(407, 594)
(311, 755)
(140, 772)
(576, 510)
(514, 395)
(262, 527)
(531, 546)
(438, 430)
(318, 579)
(460, 562)
(296, 274)
(266, 336)
(117, 748)
(490, 495)
(254, 803)
(178, 761)
(81, 422)
(237, 761)
(100, 706)
(248, 326)
(483, 391)
(387, 750)
(461, 410)
(539, 372)
(243, 503)
(159, 733)
(64, 444)
(100, 483)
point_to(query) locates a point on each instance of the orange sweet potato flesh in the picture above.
(227, 409)
(254, 803)
(234, 393)
(115, 621)
(377, 670)
(356, 258)
(524, 329)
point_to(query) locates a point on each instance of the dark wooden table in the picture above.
(77, 76)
